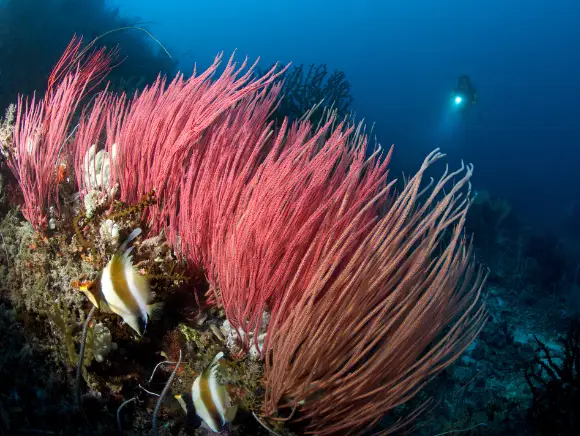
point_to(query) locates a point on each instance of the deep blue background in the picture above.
(403, 58)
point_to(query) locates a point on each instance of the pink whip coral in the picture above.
(381, 317)
(304, 194)
(227, 158)
(41, 129)
(161, 133)
(370, 293)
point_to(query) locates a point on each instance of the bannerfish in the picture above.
(208, 401)
(120, 289)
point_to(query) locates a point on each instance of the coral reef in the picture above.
(221, 251)
(42, 277)
(284, 244)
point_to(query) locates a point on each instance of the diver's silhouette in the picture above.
(464, 95)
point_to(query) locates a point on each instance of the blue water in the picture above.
(403, 58)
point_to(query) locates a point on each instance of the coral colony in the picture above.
(291, 270)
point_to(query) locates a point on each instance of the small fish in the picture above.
(120, 289)
(208, 401)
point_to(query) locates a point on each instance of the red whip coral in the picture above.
(378, 318)
(370, 294)
(304, 194)
(160, 132)
(42, 129)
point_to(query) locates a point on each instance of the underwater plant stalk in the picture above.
(81, 358)
(163, 394)
(119, 426)
(268, 429)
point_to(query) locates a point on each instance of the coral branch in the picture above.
(41, 130)
(163, 135)
(379, 319)
(306, 192)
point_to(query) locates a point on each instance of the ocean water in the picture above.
(328, 295)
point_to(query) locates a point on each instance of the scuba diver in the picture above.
(464, 95)
(458, 118)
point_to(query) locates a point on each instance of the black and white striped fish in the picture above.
(208, 401)
(120, 289)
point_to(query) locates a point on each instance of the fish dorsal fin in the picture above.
(219, 393)
(127, 254)
(210, 372)
(217, 357)
(209, 375)
(128, 240)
